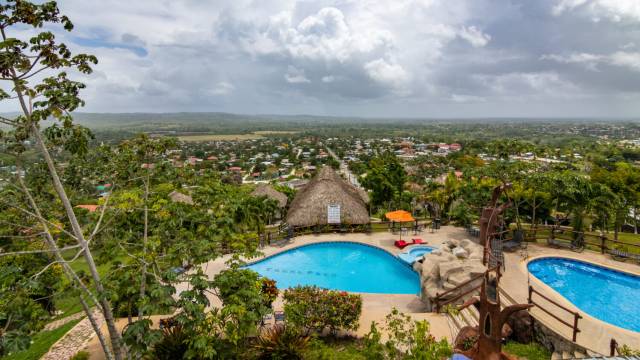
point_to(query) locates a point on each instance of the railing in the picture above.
(576, 315)
(275, 235)
(440, 300)
(595, 242)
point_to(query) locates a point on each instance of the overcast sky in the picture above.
(405, 58)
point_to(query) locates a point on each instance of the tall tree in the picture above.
(36, 69)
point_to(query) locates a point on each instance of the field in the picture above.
(228, 137)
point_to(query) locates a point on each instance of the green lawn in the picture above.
(532, 351)
(67, 301)
(41, 342)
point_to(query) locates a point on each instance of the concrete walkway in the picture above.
(375, 306)
(594, 334)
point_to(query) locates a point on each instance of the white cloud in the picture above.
(342, 56)
(474, 36)
(295, 76)
(223, 88)
(629, 60)
(614, 10)
(328, 79)
(387, 73)
(522, 85)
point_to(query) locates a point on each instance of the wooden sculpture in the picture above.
(487, 337)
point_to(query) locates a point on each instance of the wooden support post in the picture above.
(603, 239)
(576, 316)
(530, 294)
(613, 345)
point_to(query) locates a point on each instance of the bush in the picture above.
(82, 355)
(407, 339)
(174, 344)
(281, 342)
(315, 309)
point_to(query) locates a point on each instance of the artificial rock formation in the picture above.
(453, 264)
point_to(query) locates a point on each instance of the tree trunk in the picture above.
(71, 275)
(143, 276)
(119, 351)
(116, 339)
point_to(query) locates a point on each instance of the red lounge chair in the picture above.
(417, 241)
(401, 244)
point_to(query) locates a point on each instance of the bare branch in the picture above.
(39, 218)
(102, 211)
(26, 252)
(34, 73)
(35, 62)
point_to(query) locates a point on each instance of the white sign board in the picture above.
(333, 214)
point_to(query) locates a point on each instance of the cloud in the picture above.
(613, 10)
(474, 36)
(359, 57)
(223, 88)
(295, 76)
(629, 60)
(387, 73)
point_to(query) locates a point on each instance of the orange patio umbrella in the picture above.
(399, 216)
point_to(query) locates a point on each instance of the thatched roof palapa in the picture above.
(309, 208)
(268, 191)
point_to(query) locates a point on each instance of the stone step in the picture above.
(556, 356)
(566, 355)
(578, 355)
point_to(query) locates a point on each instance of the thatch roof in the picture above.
(180, 198)
(268, 191)
(309, 207)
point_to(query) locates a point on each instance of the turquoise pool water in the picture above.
(415, 252)
(609, 295)
(340, 266)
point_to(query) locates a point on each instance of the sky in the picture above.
(370, 58)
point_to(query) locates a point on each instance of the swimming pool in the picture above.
(415, 252)
(609, 295)
(340, 266)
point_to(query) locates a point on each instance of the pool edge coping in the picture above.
(392, 255)
(583, 313)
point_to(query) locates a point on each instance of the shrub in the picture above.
(281, 342)
(407, 339)
(173, 345)
(316, 309)
(82, 355)
(625, 350)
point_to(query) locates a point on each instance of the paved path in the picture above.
(75, 340)
(57, 323)
(344, 168)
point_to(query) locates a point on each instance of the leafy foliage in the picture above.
(407, 339)
(281, 342)
(315, 309)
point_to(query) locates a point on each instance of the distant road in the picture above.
(344, 169)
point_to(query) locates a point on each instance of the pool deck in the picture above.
(594, 334)
(375, 306)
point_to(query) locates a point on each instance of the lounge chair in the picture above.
(512, 245)
(417, 241)
(401, 244)
(621, 255)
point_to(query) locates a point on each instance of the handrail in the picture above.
(438, 299)
(576, 315)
